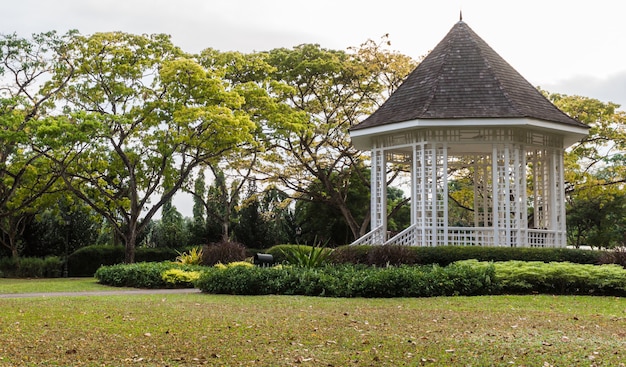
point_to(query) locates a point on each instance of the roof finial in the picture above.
(460, 15)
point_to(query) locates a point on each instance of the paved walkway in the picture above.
(100, 293)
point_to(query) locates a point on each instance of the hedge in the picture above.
(85, 261)
(148, 275)
(468, 277)
(31, 267)
(350, 281)
(445, 255)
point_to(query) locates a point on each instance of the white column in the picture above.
(562, 219)
(379, 191)
(444, 195)
(495, 221)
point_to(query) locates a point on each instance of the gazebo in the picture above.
(464, 107)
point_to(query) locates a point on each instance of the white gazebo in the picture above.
(464, 107)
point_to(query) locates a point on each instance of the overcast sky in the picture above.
(573, 47)
(564, 46)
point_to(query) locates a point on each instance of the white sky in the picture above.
(573, 47)
(564, 46)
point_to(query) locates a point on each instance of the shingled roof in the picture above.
(462, 78)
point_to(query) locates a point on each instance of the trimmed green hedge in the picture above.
(145, 275)
(351, 281)
(468, 277)
(31, 267)
(444, 255)
(523, 277)
(85, 261)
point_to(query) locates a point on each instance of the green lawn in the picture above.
(51, 285)
(200, 329)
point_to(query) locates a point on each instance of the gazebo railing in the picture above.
(377, 236)
(464, 236)
(407, 237)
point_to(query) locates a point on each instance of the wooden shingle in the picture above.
(462, 78)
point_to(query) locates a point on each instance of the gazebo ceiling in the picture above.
(464, 82)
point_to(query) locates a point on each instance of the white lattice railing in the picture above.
(377, 236)
(462, 236)
(542, 238)
(408, 237)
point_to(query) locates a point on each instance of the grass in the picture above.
(200, 329)
(51, 285)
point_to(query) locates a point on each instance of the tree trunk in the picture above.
(129, 254)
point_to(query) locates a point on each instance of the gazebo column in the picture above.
(557, 198)
(508, 195)
(429, 206)
(379, 196)
(559, 184)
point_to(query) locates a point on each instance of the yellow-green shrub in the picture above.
(180, 278)
(233, 264)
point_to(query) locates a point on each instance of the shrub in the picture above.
(223, 252)
(391, 255)
(350, 255)
(560, 278)
(85, 261)
(306, 256)
(614, 256)
(445, 255)
(351, 281)
(235, 263)
(278, 252)
(155, 254)
(32, 267)
(140, 275)
(192, 257)
(179, 278)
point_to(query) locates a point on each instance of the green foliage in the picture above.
(233, 264)
(350, 255)
(306, 256)
(146, 275)
(445, 255)
(85, 261)
(468, 277)
(178, 278)
(278, 252)
(392, 255)
(560, 278)
(223, 252)
(614, 256)
(351, 281)
(191, 257)
(31, 267)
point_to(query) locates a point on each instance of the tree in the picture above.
(336, 90)
(222, 200)
(266, 219)
(142, 117)
(170, 231)
(32, 72)
(61, 229)
(597, 218)
(249, 75)
(595, 173)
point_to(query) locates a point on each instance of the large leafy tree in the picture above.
(143, 116)
(336, 90)
(32, 74)
(249, 75)
(595, 173)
